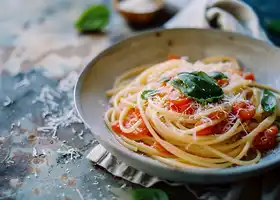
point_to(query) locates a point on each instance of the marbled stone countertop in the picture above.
(42, 142)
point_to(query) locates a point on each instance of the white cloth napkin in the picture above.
(227, 15)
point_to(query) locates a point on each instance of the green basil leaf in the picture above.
(164, 79)
(268, 101)
(94, 18)
(148, 93)
(273, 26)
(218, 75)
(198, 85)
(148, 194)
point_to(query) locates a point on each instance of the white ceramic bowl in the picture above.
(153, 47)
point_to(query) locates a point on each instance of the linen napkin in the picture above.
(226, 15)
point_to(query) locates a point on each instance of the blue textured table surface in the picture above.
(267, 10)
(42, 142)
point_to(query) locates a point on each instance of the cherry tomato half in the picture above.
(203, 132)
(244, 110)
(272, 131)
(218, 115)
(206, 131)
(223, 82)
(266, 140)
(182, 105)
(137, 135)
(132, 117)
(249, 76)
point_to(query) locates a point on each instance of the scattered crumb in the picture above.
(71, 182)
(36, 191)
(31, 137)
(63, 177)
(38, 160)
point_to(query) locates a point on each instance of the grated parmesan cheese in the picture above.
(68, 82)
(54, 116)
(8, 101)
(73, 153)
(23, 82)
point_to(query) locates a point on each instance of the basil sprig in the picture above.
(148, 93)
(94, 18)
(198, 85)
(218, 75)
(148, 194)
(268, 101)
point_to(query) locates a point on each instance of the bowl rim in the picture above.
(119, 149)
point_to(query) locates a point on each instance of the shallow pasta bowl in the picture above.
(153, 47)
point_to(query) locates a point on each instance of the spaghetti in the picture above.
(207, 114)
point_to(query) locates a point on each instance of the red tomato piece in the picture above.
(223, 82)
(245, 111)
(173, 57)
(266, 140)
(217, 129)
(249, 76)
(203, 132)
(132, 117)
(218, 115)
(246, 114)
(237, 106)
(221, 127)
(206, 131)
(142, 129)
(182, 106)
(272, 131)
(136, 135)
(116, 127)
(133, 113)
(182, 102)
